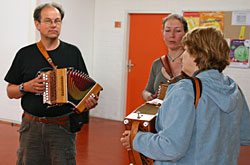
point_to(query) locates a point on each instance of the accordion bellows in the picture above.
(69, 86)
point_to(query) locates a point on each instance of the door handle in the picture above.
(130, 65)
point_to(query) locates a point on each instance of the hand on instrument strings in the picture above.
(37, 85)
(126, 139)
(91, 102)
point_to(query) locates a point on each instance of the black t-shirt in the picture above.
(29, 63)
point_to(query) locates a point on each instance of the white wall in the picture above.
(89, 24)
(16, 31)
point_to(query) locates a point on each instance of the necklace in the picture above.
(173, 59)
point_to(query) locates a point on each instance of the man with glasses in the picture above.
(44, 140)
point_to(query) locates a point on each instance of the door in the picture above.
(145, 45)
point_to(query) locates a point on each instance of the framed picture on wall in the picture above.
(239, 54)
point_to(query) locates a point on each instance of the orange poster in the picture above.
(212, 18)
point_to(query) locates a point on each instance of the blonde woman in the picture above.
(174, 28)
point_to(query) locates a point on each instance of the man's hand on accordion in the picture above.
(91, 102)
(37, 85)
(126, 139)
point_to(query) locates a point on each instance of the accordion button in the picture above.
(145, 124)
(126, 121)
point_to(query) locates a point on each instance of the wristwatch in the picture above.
(21, 89)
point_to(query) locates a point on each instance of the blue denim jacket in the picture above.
(209, 135)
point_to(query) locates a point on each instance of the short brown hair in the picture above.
(38, 10)
(209, 48)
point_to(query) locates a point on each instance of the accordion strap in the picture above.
(165, 64)
(134, 130)
(45, 53)
(197, 86)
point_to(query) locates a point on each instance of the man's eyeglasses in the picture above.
(50, 22)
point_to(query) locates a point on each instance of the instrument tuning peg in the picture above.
(138, 115)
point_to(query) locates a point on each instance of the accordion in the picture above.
(141, 119)
(66, 85)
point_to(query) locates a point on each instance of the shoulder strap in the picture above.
(197, 86)
(134, 130)
(45, 54)
(165, 63)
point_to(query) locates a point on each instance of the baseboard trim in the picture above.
(10, 121)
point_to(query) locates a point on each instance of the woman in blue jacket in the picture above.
(212, 133)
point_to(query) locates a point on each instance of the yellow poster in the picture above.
(192, 18)
(212, 18)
